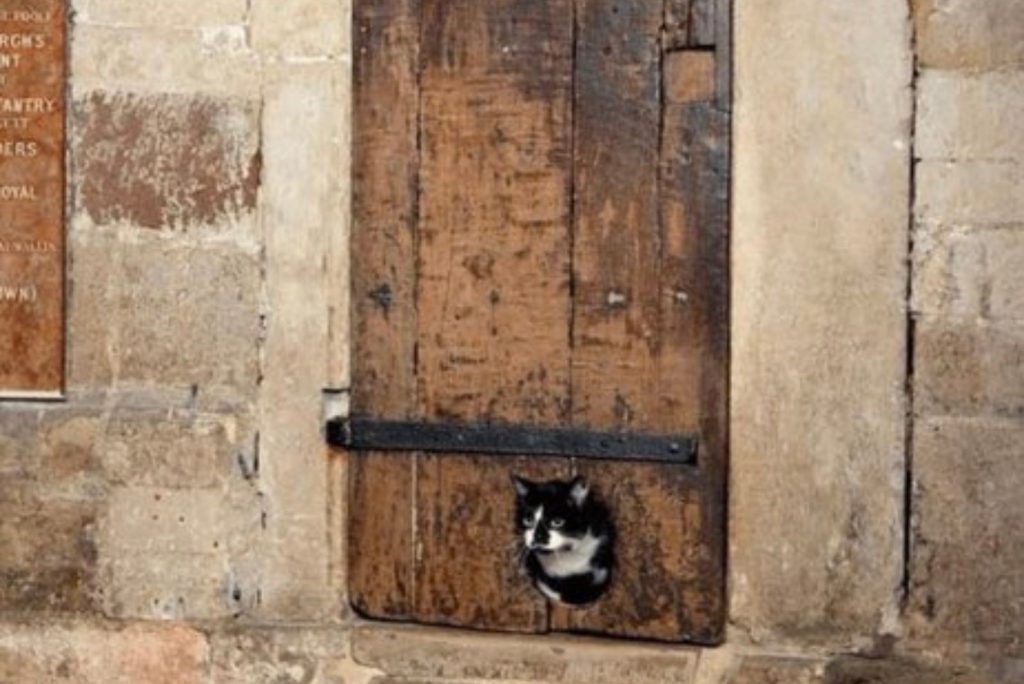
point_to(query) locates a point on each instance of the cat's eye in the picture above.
(557, 523)
(527, 520)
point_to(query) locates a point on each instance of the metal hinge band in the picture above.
(503, 439)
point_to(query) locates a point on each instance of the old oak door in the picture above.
(540, 239)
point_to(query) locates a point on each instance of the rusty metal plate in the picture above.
(32, 105)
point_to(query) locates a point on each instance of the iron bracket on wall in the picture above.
(502, 439)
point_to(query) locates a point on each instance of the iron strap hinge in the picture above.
(505, 439)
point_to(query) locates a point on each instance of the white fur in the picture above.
(579, 492)
(549, 592)
(573, 561)
(532, 529)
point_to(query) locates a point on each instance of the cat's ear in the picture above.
(579, 489)
(521, 485)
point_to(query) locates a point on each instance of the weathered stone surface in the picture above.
(163, 60)
(300, 211)
(1006, 670)
(851, 670)
(75, 653)
(155, 311)
(166, 161)
(967, 115)
(969, 192)
(961, 368)
(164, 14)
(770, 670)
(301, 28)
(47, 449)
(818, 352)
(145, 534)
(77, 450)
(282, 655)
(967, 582)
(434, 653)
(50, 499)
(416, 680)
(48, 560)
(174, 449)
(969, 274)
(961, 34)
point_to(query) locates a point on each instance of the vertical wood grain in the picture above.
(616, 335)
(661, 352)
(493, 297)
(691, 23)
(384, 205)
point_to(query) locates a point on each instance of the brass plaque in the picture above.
(32, 68)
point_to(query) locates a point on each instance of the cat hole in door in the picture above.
(567, 538)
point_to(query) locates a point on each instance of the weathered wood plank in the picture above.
(690, 23)
(703, 23)
(683, 512)
(385, 179)
(706, 157)
(723, 54)
(689, 76)
(381, 534)
(665, 363)
(667, 584)
(616, 328)
(469, 571)
(493, 296)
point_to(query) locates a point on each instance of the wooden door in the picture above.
(540, 238)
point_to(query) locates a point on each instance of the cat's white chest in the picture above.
(575, 561)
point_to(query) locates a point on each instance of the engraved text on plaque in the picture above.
(32, 57)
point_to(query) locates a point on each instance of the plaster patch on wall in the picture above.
(166, 160)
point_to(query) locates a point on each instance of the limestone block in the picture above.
(1007, 670)
(169, 448)
(969, 274)
(283, 655)
(433, 653)
(853, 670)
(76, 450)
(302, 28)
(387, 679)
(154, 311)
(969, 34)
(48, 561)
(969, 192)
(968, 369)
(16, 455)
(74, 653)
(967, 583)
(168, 553)
(966, 115)
(821, 163)
(163, 60)
(771, 670)
(166, 161)
(165, 14)
(302, 204)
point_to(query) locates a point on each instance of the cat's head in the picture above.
(551, 516)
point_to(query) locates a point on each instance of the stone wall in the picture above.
(967, 559)
(178, 518)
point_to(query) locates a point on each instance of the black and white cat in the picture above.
(567, 537)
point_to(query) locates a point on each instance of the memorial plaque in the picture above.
(32, 71)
